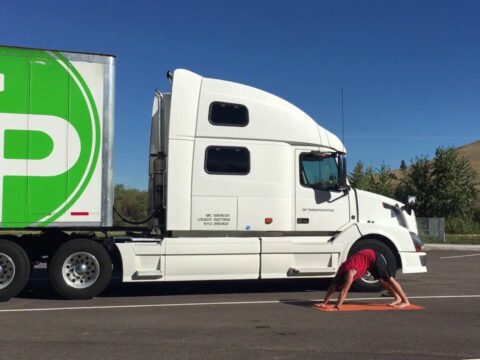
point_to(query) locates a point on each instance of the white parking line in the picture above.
(260, 302)
(458, 256)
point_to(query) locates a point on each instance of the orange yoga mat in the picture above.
(366, 307)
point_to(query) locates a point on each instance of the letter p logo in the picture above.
(55, 155)
(50, 137)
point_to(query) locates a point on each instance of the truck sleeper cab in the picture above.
(250, 187)
(242, 185)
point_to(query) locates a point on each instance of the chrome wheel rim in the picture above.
(80, 270)
(368, 278)
(7, 270)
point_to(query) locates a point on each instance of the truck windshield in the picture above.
(318, 171)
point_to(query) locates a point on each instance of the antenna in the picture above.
(343, 123)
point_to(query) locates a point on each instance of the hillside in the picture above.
(469, 151)
(472, 153)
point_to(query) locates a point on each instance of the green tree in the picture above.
(130, 203)
(444, 187)
(416, 181)
(361, 177)
(357, 176)
(452, 185)
(379, 180)
(383, 181)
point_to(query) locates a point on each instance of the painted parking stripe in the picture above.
(224, 303)
(458, 256)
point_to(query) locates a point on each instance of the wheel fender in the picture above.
(344, 240)
(399, 236)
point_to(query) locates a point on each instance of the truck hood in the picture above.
(378, 209)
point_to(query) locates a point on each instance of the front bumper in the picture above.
(413, 262)
(423, 260)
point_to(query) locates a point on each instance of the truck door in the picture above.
(319, 206)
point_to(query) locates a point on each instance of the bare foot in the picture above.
(396, 302)
(403, 304)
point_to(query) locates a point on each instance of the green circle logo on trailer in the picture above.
(49, 136)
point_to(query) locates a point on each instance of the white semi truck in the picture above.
(242, 184)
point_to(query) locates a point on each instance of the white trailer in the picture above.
(242, 184)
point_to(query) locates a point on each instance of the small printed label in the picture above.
(214, 213)
(2, 82)
(317, 210)
(222, 219)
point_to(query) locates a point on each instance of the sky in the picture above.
(410, 70)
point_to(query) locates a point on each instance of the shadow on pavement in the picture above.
(40, 288)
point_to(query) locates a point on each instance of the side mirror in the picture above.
(411, 200)
(342, 173)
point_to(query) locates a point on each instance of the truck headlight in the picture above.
(419, 246)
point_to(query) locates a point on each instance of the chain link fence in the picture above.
(431, 229)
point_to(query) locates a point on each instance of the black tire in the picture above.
(366, 284)
(15, 269)
(80, 269)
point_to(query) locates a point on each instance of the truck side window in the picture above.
(225, 114)
(318, 171)
(227, 160)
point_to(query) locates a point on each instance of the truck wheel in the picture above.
(14, 269)
(368, 283)
(80, 269)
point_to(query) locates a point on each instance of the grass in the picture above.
(471, 239)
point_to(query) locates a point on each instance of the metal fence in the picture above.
(431, 229)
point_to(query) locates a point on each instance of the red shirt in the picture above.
(360, 261)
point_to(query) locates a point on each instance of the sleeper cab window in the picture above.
(226, 114)
(227, 160)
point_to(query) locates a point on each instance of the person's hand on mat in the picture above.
(323, 305)
(334, 308)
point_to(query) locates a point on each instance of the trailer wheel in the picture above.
(14, 269)
(80, 269)
(367, 283)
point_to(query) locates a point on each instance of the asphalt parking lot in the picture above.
(249, 319)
